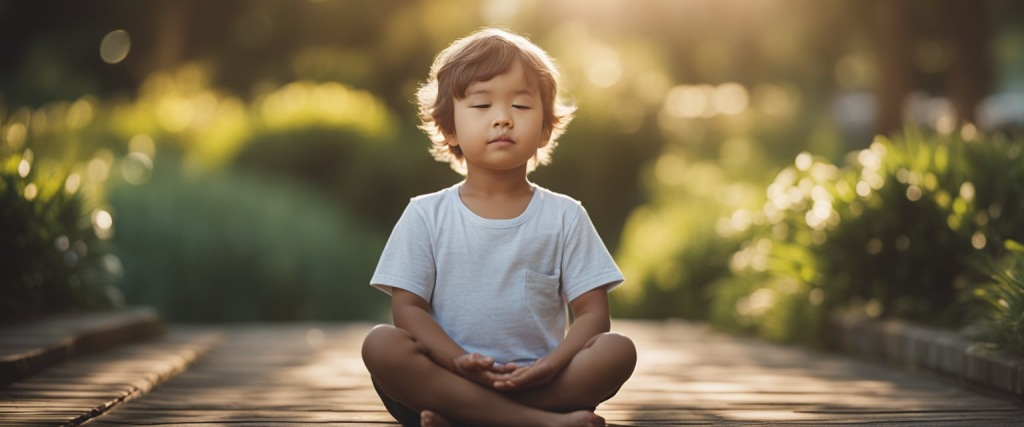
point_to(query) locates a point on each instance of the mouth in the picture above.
(503, 139)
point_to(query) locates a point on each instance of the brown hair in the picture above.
(481, 56)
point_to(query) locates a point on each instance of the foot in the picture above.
(431, 419)
(583, 419)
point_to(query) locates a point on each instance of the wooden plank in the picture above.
(85, 387)
(29, 348)
(272, 375)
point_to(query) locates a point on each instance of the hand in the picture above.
(481, 370)
(524, 377)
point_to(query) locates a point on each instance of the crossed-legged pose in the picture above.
(481, 273)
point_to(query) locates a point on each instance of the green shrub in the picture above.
(52, 259)
(371, 176)
(232, 246)
(1005, 300)
(892, 233)
(671, 249)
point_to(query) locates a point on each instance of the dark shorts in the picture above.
(409, 418)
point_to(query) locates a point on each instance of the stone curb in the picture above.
(924, 348)
(26, 349)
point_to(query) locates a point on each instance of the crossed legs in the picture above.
(402, 369)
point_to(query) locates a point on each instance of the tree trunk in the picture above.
(970, 73)
(894, 62)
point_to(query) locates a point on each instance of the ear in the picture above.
(545, 139)
(450, 140)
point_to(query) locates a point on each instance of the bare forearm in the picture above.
(426, 331)
(585, 327)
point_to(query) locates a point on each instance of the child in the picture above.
(480, 273)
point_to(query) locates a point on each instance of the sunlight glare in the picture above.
(604, 68)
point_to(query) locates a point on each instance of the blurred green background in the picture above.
(245, 160)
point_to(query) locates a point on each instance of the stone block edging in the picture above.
(921, 347)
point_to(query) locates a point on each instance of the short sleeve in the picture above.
(586, 263)
(407, 262)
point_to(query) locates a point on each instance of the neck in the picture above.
(496, 183)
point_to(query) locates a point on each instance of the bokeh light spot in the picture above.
(142, 143)
(16, 135)
(604, 68)
(31, 191)
(873, 247)
(731, 98)
(978, 240)
(61, 243)
(967, 191)
(115, 46)
(136, 168)
(913, 193)
(102, 219)
(71, 184)
(803, 161)
(968, 132)
(315, 338)
(80, 114)
(816, 296)
(24, 167)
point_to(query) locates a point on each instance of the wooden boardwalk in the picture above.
(311, 374)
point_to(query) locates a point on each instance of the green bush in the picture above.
(53, 260)
(891, 234)
(372, 176)
(232, 246)
(1005, 300)
(671, 249)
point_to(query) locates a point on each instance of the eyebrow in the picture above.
(488, 92)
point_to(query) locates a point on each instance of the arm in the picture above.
(591, 318)
(412, 313)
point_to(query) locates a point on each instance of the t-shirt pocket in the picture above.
(544, 297)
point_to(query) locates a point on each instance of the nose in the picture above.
(502, 122)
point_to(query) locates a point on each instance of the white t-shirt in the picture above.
(497, 287)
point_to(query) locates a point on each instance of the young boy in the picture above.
(480, 273)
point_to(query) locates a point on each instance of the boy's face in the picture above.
(499, 124)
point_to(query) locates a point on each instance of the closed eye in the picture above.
(481, 106)
(521, 107)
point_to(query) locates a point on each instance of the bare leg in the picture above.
(600, 368)
(430, 419)
(403, 370)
